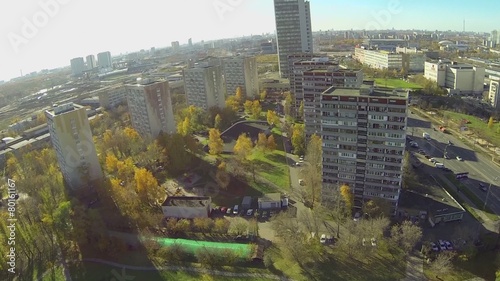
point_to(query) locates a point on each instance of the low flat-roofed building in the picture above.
(187, 207)
(270, 201)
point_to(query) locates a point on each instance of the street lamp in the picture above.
(488, 193)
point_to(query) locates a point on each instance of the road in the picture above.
(481, 169)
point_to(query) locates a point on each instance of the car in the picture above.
(250, 212)
(442, 245)
(448, 245)
(450, 143)
(421, 151)
(298, 164)
(446, 156)
(301, 157)
(434, 247)
(235, 210)
(428, 157)
(374, 242)
(459, 158)
(301, 161)
(301, 182)
(363, 242)
(433, 160)
(322, 239)
(409, 139)
(482, 186)
(357, 216)
(228, 211)
(223, 210)
(414, 144)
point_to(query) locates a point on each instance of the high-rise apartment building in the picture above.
(91, 62)
(364, 135)
(104, 60)
(241, 71)
(112, 97)
(77, 66)
(494, 93)
(299, 66)
(150, 107)
(316, 81)
(175, 45)
(204, 85)
(293, 30)
(72, 139)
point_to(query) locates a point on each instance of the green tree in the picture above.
(215, 142)
(409, 176)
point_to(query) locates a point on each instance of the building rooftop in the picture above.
(436, 202)
(333, 69)
(63, 108)
(270, 197)
(366, 90)
(187, 201)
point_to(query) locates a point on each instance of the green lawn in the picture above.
(395, 83)
(273, 167)
(98, 272)
(477, 125)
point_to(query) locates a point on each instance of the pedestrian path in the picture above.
(414, 269)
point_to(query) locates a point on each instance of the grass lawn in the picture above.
(98, 272)
(395, 83)
(477, 125)
(273, 167)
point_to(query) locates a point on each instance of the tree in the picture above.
(222, 177)
(111, 163)
(406, 235)
(491, 123)
(263, 95)
(221, 225)
(443, 263)
(301, 109)
(409, 177)
(288, 103)
(347, 196)
(203, 224)
(215, 142)
(272, 118)
(238, 226)
(184, 127)
(261, 143)
(248, 105)
(217, 121)
(377, 207)
(239, 95)
(271, 143)
(298, 139)
(147, 187)
(232, 103)
(256, 109)
(243, 147)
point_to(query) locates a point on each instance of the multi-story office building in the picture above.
(298, 68)
(204, 85)
(293, 30)
(241, 71)
(72, 139)
(456, 78)
(150, 107)
(316, 81)
(91, 62)
(364, 136)
(112, 97)
(494, 93)
(77, 66)
(104, 60)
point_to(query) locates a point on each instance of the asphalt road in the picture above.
(481, 169)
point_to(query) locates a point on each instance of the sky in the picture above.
(45, 34)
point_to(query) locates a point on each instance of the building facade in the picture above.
(186, 207)
(77, 66)
(104, 60)
(112, 97)
(91, 62)
(316, 81)
(364, 136)
(72, 140)
(494, 93)
(241, 72)
(293, 30)
(204, 85)
(150, 107)
(457, 78)
(175, 45)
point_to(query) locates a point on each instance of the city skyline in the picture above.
(47, 34)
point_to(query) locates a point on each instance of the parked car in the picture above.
(448, 245)
(322, 239)
(442, 245)
(223, 210)
(301, 157)
(249, 212)
(428, 157)
(357, 216)
(236, 210)
(482, 186)
(432, 160)
(459, 158)
(434, 247)
(414, 144)
(421, 151)
(228, 211)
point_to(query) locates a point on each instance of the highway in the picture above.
(481, 169)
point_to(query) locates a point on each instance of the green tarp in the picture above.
(243, 250)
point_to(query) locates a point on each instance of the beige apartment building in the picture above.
(204, 85)
(150, 107)
(72, 140)
(494, 93)
(364, 135)
(241, 71)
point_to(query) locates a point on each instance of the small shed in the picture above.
(247, 202)
(270, 201)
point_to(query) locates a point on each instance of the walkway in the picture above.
(414, 269)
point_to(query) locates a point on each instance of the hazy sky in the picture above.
(34, 35)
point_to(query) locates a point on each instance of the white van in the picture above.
(439, 165)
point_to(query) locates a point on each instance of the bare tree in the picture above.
(406, 235)
(443, 263)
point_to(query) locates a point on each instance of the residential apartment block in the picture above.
(204, 85)
(241, 71)
(71, 137)
(77, 66)
(364, 136)
(494, 93)
(315, 82)
(293, 30)
(409, 61)
(150, 107)
(456, 78)
(104, 60)
(112, 97)
(91, 62)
